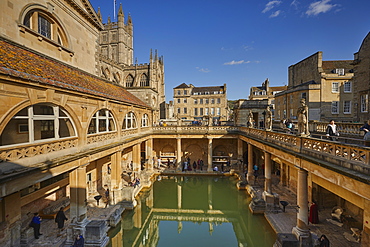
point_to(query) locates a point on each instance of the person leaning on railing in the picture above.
(366, 129)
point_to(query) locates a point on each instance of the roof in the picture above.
(183, 85)
(26, 64)
(328, 66)
(208, 89)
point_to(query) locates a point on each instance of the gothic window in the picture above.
(144, 81)
(129, 81)
(145, 121)
(102, 121)
(37, 123)
(130, 121)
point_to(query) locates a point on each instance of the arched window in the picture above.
(145, 121)
(36, 123)
(101, 122)
(129, 81)
(144, 81)
(45, 24)
(130, 121)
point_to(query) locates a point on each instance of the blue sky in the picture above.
(240, 42)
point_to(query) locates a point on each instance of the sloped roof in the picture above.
(182, 85)
(328, 66)
(208, 89)
(26, 64)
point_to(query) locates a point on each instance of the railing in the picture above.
(31, 150)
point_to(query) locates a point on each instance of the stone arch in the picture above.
(195, 152)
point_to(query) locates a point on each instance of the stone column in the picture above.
(77, 181)
(250, 164)
(179, 195)
(209, 157)
(149, 154)
(268, 169)
(365, 235)
(301, 231)
(136, 159)
(178, 154)
(240, 156)
(115, 173)
(78, 204)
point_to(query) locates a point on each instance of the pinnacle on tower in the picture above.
(120, 11)
(99, 15)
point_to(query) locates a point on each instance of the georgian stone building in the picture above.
(361, 81)
(327, 87)
(192, 102)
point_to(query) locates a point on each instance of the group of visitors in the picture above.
(188, 166)
(60, 218)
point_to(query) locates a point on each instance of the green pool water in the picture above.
(190, 212)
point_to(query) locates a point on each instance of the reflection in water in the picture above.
(192, 211)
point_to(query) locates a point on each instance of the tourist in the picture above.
(107, 197)
(195, 165)
(79, 241)
(290, 126)
(60, 218)
(324, 241)
(159, 162)
(366, 129)
(201, 165)
(35, 224)
(331, 131)
(314, 214)
(255, 172)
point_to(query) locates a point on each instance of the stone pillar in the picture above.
(136, 158)
(240, 157)
(178, 154)
(116, 180)
(78, 204)
(250, 164)
(301, 231)
(365, 235)
(149, 154)
(268, 169)
(209, 157)
(77, 181)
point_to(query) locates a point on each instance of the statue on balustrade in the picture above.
(302, 114)
(268, 119)
(250, 119)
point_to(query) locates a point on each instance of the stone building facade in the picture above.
(327, 87)
(201, 103)
(362, 81)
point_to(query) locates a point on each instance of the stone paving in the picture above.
(283, 222)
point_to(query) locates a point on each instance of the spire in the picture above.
(156, 55)
(151, 56)
(120, 11)
(99, 15)
(109, 21)
(129, 23)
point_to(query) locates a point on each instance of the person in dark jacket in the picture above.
(79, 241)
(35, 224)
(60, 218)
(331, 131)
(324, 241)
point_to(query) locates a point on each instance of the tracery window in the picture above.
(102, 121)
(144, 81)
(37, 123)
(129, 81)
(130, 121)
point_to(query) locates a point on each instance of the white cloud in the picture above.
(270, 5)
(203, 70)
(236, 62)
(318, 7)
(275, 14)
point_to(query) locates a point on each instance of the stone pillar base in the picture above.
(96, 234)
(303, 236)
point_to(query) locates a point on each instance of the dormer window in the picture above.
(339, 71)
